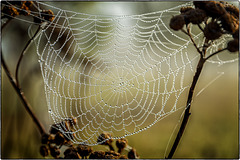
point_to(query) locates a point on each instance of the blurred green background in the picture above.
(212, 131)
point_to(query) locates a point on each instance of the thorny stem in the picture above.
(20, 93)
(23, 53)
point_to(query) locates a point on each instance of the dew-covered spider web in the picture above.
(117, 74)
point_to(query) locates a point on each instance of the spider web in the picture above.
(116, 74)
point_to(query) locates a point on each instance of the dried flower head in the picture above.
(233, 45)
(72, 121)
(121, 144)
(69, 135)
(54, 129)
(25, 9)
(214, 9)
(84, 150)
(229, 23)
(44, 138)
(27, 3)
(71, 153)
(44, 151)
(97, 155)
(177, 22)
(59, 139)
(212, 31)
(200, 4)
(232, 10)
(105, 138)
(185, 9)
(55, 152)
(195, 16)
(47, 15)
(235, 35)
(111, 155)
(132, 154)
(10, 10)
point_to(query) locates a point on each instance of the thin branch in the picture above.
(200, 27)
(188, 106)
(22, 97)
(205, 46)
(195, 45)
(216, 53)
(23, 53)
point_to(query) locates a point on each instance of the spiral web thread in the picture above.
(116, 74)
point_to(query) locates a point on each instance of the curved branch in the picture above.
(23, 53)
(22, 97)
(216, 53)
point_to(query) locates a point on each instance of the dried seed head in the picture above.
(185, 9)
(214, 9)
(97, 155)
(27, 3)
(195, 16)
(232, 10)
(44, 151)
(105, 139)
(47, 15)
(72, 121)
(53, 129)
(25, 10)
(55, 152)
(59, 139)
(233, 45)
(44, 138)
(132, 154)
(69, 135)
(212, 31)
(10, 10)
(177, 22)
(121, 144)
(84, 150)
(71, 153)
(229, 23)
(51, 138)
(235, 35)
(112, 153)
(200, 4)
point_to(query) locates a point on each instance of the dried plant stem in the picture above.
(17, 88)
(216, 53)
(188, 106)
(23, 53)
(22, 97)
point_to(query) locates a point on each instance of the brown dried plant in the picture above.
(215, 19)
